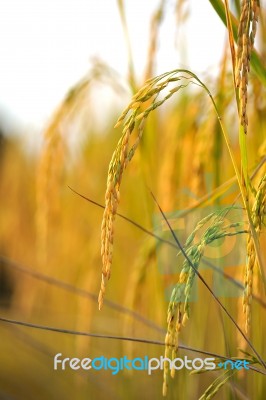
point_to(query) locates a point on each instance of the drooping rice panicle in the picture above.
(171, 338)
(246, 36)
(179, 309)
(134, 115)
(258, 217)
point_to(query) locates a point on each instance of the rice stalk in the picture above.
(131, 69)
(181, 11)
(153, 41)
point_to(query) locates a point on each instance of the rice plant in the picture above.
(183, 169)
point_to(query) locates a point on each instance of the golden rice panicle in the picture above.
(122, 156)
(178, 314)
(179, 310)
(203, 148)
(241, 320)
(47, 182)
(258, 218)
(52, 161)
(248, 281)
(246, 36)
(171, 338)
(175, 316)
(112, 196)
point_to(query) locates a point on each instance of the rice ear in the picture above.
(246, 36)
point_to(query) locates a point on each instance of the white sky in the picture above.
(46, 46)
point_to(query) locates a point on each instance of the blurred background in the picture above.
(68, 70)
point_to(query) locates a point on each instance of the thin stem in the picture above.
(113, 337)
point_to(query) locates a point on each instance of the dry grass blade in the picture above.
(112, 337)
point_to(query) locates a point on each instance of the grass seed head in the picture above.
(246, 36)
(134, 117)
(179, 306)
(258, 218)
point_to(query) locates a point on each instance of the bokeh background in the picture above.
(68, 69)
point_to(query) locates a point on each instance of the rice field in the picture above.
(146, 241)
